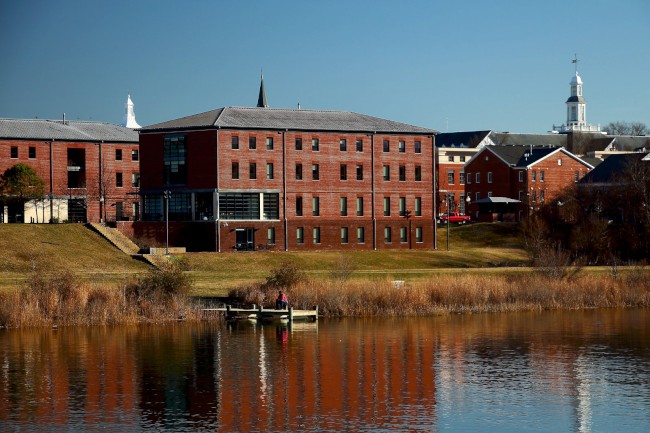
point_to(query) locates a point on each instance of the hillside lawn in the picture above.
(475, 248)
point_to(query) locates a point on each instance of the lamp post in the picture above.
(448, 218)
(468, 201)
(167, 195)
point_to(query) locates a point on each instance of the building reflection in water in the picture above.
(334, 376)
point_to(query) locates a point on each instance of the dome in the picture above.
(576, 79)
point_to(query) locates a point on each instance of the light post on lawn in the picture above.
(448, 218)
(167, 195)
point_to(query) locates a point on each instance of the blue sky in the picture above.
(447, 65)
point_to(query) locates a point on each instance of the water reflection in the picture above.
(561, 371)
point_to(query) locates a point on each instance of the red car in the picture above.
(455, 217)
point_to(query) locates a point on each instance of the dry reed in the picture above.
(62, 299)
(462, 294)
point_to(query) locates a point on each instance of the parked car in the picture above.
(455, 217)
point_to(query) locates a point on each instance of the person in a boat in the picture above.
(281, 302)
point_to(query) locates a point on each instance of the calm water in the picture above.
(538, 372)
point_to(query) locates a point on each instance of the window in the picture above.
(239, 206)
(252, 143)
(300, 235)
(534, 196)
(316, 235)
(478, 196)
(343, 145)
(450, 177)
(461, 158)
(271, 206)
(269, 170)
(387, 235)
(521, 195)
(541, 176)
(489, 193)
(359, 206)
(402, 206)
(359, 172)
(401, 147)
(344, 235)
(386, 206)
(418, 147)
(118, 180)
(315, 206)
(361, 236)
(298, 171)
(418, 234)
(402, 173)
(489, 177)
(468, 178)
(343, 172)
(344, 206)
(175, 160)
(418, 206)
(298, 143)
(315, 144)
(270, 236)
(576, 176)
(386, 146)
(269, 143)
(386, 172)
(402, 234)
(559, 161)
(234, 142)
(135, 180)
(521, 176)
(235, 170)
(541, 196)
(534, 176)
(450, 158)
(461, 178)
(418, 173)
(14, 152)
(252, 170)
(32, 152)
(477, 178)
(315, 173)
(135, 155)
(299, 205)
(359, 145)
(118, 154)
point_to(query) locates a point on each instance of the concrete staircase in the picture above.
(126, 245)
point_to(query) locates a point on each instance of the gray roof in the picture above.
(632, 142)
(507, 138)
(611, 168)
(287, 119)
(522, 156)
(460, 139)
(40, 129)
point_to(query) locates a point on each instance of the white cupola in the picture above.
(129, 115)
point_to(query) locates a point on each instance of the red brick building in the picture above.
(90, 169)
(510, 182)
(259, 178)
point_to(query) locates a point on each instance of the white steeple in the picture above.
(576, 113)
(129, 115)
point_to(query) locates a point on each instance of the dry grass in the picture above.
(463, 294)
(63, 299)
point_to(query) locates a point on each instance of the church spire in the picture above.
(261, 99)
(129, 115)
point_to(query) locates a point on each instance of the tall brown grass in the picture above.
(462, 294)
(63, 299)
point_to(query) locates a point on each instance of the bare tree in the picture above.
(626, 128)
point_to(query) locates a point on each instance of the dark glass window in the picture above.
(418, 173)
(271, 206)
(298, 143)
(252, 170)
(269, 143)
(252, 143)
(315, 144)
(14, 152)
(135, 155)
(175, 160)
(135, 180)
(402, 173)
(180, 207)
(118, 180)
(343, 145)
(234, 140)
(315, 172)
(359, 145)
(298, 171)
(359, 172)
(299, 206)
(386, 145)
(239, 206)
(343, 172)
(118, 154)
(235, 170)
(32, 152)
(418, 147)
(153, 208)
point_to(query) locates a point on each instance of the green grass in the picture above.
(51, 247)
(47, 247)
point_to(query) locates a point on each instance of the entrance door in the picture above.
(245, 239)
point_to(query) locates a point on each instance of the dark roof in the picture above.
(286, 119)
(522, 156)
(611, 167)
(576, 99)
(591, 161)
(460, 139)
(261, 99)
(507, 138)
(632, 142)
(40, 129)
